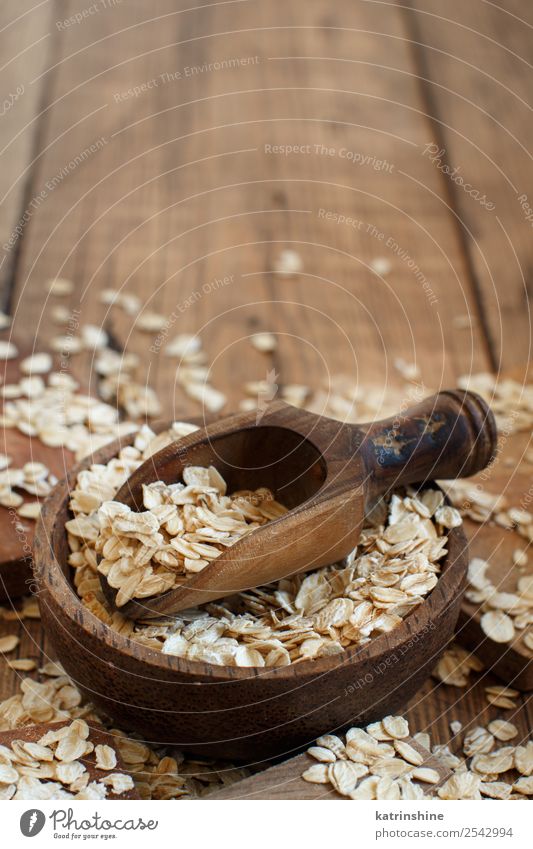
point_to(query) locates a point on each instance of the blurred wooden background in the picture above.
(144, 146)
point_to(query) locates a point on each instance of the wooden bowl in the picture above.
(244, 714)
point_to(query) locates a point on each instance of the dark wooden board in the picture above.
(97, 735)
(284, 781)
(26, 46)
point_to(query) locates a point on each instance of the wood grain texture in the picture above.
(97, 736)
(284, 781)
(26, 45)
(202, 194)
(474, 63)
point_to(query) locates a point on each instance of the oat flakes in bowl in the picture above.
(351, 641)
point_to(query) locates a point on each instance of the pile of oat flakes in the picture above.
(185, 526)
(395, 566)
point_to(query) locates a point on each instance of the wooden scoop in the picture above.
(324, 471)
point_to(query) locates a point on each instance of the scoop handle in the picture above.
(449, 435)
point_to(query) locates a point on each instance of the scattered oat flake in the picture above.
(8, 774)
(8, 643)
(71, 747)
(449, 517)
(426, 775)
(456, 666)
(320, 753)
(409, 371)
(523, 758)
(500, 696)
(66, 344)
(94, 337)
(478, 740)
(316, 774)
(367, 789)
(396, 726)
(38, 363)
(524, 786)
(408, 752)
(150, 322)
(105, 757)
(8, 351)
(119, 782)
(502, 730)
(22, 664)
(495, 762)
(461, 786)
(289, 263)
(60, 286)
(498, 626)
(344, 775)
(495, 789)
(381, 265)
(30, 510)
(184, 346)
(264, 342)
(207, 395)
(60, 314)
(502, 690)
(52, 668)
(333, 743)
(520, 557)
(387, 788)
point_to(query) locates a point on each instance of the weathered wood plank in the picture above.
(187, 183)
(26, 42)
(173, 187)
(284, 781)
(475, 67)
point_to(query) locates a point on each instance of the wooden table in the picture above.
(160, 148)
